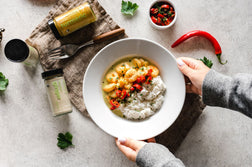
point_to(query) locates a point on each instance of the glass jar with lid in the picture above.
(57, 92)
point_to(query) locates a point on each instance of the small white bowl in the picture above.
(170, 74)
(173, 21)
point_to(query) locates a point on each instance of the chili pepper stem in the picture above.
(219, 58)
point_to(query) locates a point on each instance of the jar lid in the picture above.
(16, 50)
(52, 72)
(54, 29)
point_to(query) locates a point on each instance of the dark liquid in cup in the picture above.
(16, 50)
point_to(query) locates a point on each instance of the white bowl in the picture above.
(121, 127)
(163, 27)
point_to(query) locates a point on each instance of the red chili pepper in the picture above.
(154, 19)
(138, 80)
(149, 79)
(203, 34)
(165, 6)
(128, 95)
(138, 87)
(124, 94)
(142, 79)
(160, 15)
(159, 20)
(149, 72)
(154, 10)
(132, 89)
(118, 93)
(114, 104)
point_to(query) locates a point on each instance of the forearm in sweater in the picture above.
(156, 155)
(229, 92)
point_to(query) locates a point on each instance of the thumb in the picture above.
(186, 70)
(133, 144)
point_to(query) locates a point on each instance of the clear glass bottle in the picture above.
(57, 92)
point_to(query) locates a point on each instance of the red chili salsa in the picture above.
(162, 13)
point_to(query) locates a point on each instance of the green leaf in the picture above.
(128, 8)
(207, 62)
(64, 141)
(3, 82)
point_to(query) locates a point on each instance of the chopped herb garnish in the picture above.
(141, 94)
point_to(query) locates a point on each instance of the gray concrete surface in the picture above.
(28, 131)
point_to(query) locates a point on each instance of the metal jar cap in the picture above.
(16, 50)
(51, 73)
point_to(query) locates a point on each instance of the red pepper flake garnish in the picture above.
(118, 93)
(138, 87)
(124, 94)
(114, 104)
(142, 79)
(149, 79)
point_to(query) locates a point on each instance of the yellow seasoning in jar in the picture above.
(72, 20)
(57, 92)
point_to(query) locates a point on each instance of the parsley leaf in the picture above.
(207, 62)
(3, 82)
(64, 140)
(128, 8)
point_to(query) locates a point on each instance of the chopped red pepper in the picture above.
(114, 104)
(138, 80)
(154, 19)
(154, 10)
(118, 93)
(160, 15)
(159, 20)
(149, 79)
(165, 6)
(124, 94)
(138, 87)
(160, 10)
(132, 89)
(142, 79)
(149, 72)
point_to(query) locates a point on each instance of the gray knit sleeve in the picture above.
(229, 92)
(156, 155)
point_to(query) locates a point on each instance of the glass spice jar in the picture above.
(72, 20)
(17, 50)
(1, 35)
(57, 92)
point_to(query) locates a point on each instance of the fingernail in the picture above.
(122, 140)
(180, 62)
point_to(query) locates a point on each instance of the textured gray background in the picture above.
(220, 137)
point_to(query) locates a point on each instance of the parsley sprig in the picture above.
(207, 62)
(64, 140)
(3, 82)
(128, 8)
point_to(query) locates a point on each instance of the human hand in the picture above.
(130, 147)
(196, 71)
